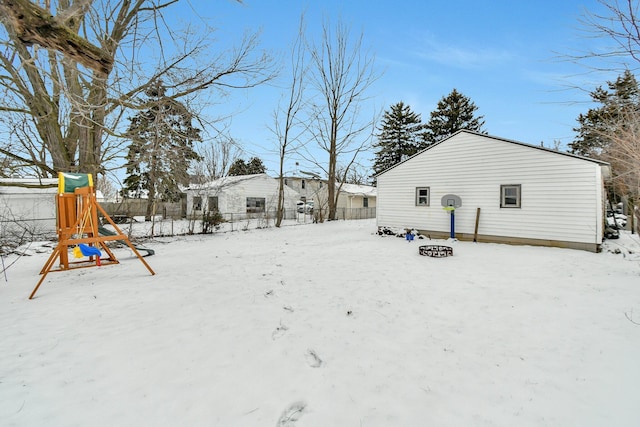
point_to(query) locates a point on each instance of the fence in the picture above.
(135, 227)
(341, 214)
(17, 231)
(138, 207)
(355, 213)
(177, 210)
(130, 219)
(231, 221)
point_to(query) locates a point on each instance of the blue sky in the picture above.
(501, 53)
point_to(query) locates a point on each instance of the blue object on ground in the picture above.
(89, 250)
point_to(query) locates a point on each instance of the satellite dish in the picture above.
(451, 201)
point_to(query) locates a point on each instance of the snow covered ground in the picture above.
(325, 325)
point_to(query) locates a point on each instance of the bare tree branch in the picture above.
(619, 25)
(75, 114)
(341, 74)
(285, 116)
(35, 25)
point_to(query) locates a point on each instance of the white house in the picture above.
(357, 196)
(516, 193)
(306, 187)
(356, 201)
(243, 195)
(28, 206)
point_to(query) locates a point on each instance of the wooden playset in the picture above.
(78, 228)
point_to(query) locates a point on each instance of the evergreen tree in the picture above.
(621, 98)
(253, 166)
(237, 168)
(453, 113)
(161, 150)
(399, 137)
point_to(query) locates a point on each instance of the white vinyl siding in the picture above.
(563, 193)
(239, 195)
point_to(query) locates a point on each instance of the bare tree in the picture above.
(618, 24)
(67, 117)
(285, 116)
(357, 174)
(217, 155)
(341, 73)
(623, 153)
(106, 186)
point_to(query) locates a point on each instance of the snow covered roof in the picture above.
(29, 181)
(226, 181)
(33, 185)
(359, 190)
(28, 185)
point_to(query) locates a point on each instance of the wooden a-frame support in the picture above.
(78, 223)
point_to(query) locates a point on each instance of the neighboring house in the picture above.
(245, 194)
(27, 208)
(356, 201)
(526, 194)
(354, 196)
(307, 187)
(351, 196)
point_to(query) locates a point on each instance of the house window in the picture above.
(422, 196)
(303, 184)
(510, 196)
(365, 202)
(197, 203)
(212, 204)
(255, 204)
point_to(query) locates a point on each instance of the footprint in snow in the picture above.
(313, 359)
(279, 331)
(291, 414)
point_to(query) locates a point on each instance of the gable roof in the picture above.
(359, 190)
(28, 185)
(511, 141)
(226, 181)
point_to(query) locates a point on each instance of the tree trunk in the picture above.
(341, 74)
(333, 160)
(280, 208)
(149, 211)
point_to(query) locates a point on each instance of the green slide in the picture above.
(106, 232)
